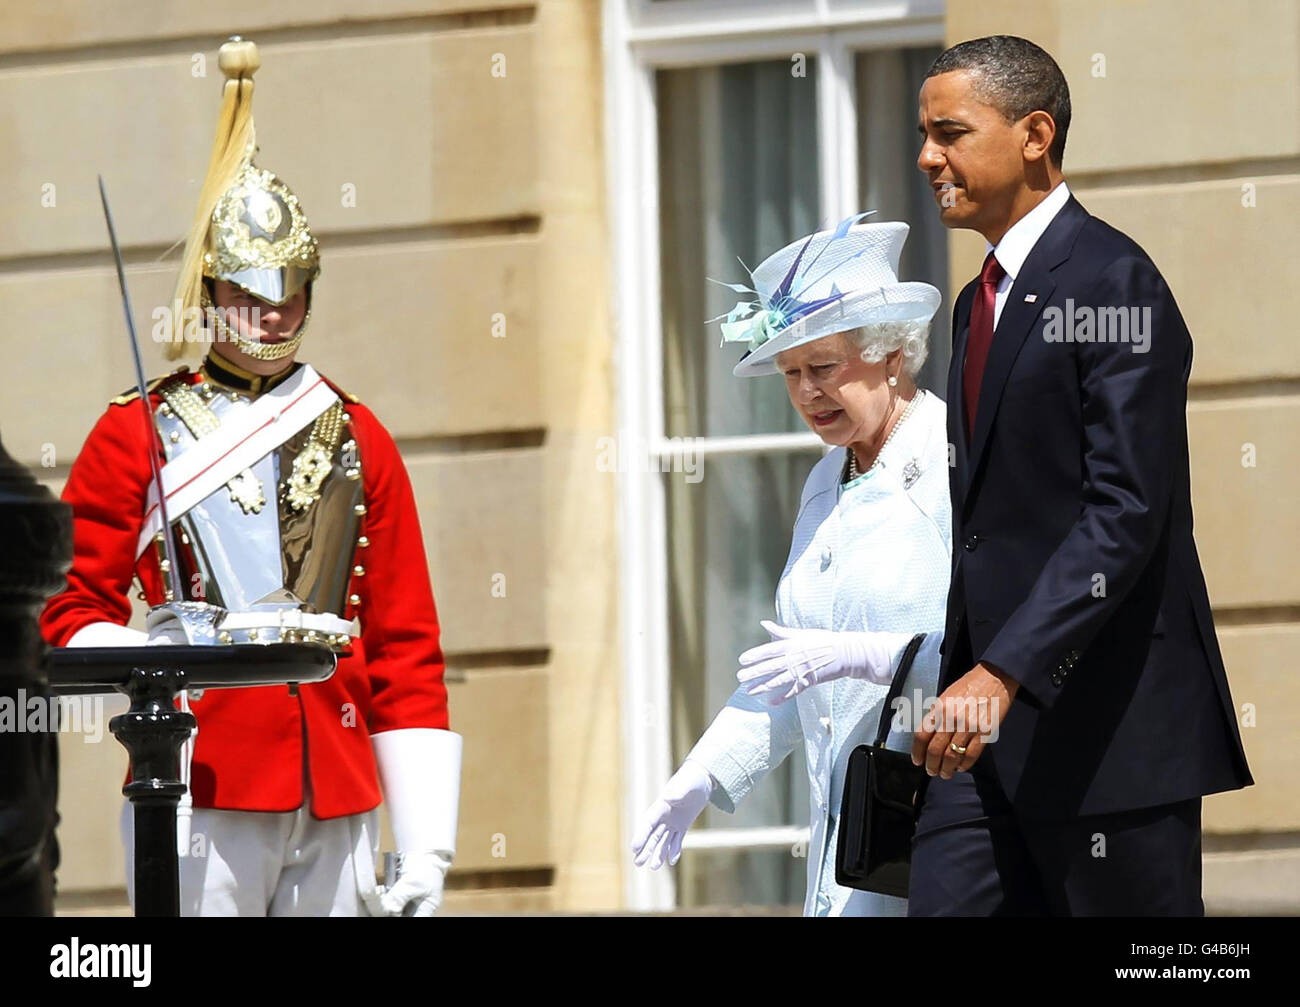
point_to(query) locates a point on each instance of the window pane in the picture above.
(728, 538)
(738, 179)
(888, 82)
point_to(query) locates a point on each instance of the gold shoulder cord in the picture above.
(313, 463)
(245, 488)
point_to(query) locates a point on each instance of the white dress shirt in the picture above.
(1020, 240)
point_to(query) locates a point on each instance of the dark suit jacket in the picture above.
(1074, 568)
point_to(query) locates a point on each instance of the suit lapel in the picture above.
(1018, 317)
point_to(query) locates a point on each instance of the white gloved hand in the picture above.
(798, 659)
(110, 634)
(169, 634)
(419, 771)
(107, 634)
(418, 889)
(659, 837)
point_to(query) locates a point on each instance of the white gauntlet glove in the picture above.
(418, 891)
(419, 771)
(798, 659)
(110, 634)
(107, 634)
(659, 837)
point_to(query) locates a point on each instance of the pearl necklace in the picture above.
(853, 472)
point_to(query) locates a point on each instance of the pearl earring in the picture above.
(892, 380)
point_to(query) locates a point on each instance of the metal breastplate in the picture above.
(281, 532)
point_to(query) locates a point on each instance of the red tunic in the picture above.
(249, 752)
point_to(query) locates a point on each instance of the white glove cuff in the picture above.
(695, 776)
(107, 634)
(419, 771)
(883, 649)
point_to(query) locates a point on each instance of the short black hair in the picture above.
(1014, 76)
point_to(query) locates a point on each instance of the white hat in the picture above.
(825, 283)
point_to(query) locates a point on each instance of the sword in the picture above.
(169, 545)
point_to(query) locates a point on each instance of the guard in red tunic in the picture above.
(293, 516)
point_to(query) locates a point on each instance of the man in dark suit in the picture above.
(1084, 707)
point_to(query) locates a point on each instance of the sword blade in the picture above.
(169, 544)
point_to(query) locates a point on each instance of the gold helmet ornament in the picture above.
(249, 230)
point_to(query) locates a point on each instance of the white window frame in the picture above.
(641, 37)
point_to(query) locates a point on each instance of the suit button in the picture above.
(972, 542)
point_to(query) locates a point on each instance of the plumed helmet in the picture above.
(259, 238)
(249, 228)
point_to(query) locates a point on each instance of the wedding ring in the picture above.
(959, 749)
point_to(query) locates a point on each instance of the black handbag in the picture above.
(881, 797)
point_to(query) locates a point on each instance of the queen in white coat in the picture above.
(870, 556)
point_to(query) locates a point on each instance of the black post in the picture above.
(153, 731)
(35, 552)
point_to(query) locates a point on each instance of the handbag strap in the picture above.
(896, 686)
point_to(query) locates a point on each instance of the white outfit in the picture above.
(873, 555)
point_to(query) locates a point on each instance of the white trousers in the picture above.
(254, 863)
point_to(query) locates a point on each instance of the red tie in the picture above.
(980, 337)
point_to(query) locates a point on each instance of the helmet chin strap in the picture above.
(253, 347)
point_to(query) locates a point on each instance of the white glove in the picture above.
(665, 822)
(419, 886)
(798, 659)
(110, 634)
(107, 634)
(419, 771)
